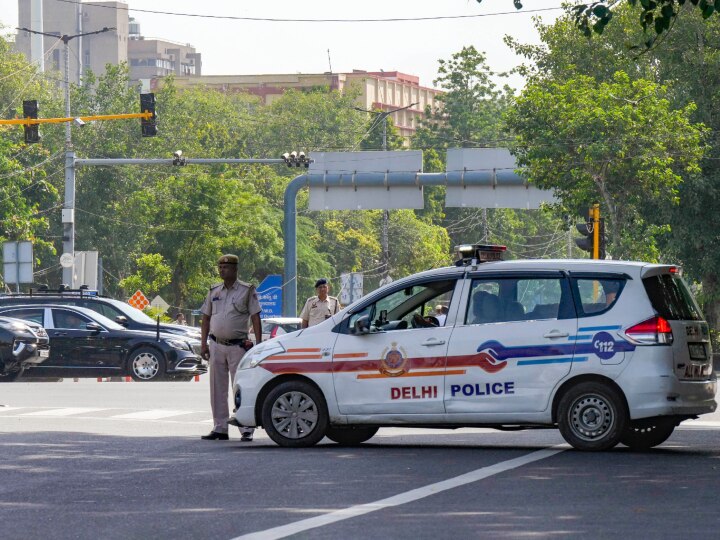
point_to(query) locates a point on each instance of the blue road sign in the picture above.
(270, 296)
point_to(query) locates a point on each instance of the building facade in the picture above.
(377, 90)
(147, 57)
(92, 52)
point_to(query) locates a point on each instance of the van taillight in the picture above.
(655, 330)
(273, 332)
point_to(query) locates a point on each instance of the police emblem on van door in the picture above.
(393, 361)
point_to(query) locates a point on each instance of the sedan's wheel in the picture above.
(592, 416)
(146, 364)
(349, 436)
(648, 432)
(294, 414)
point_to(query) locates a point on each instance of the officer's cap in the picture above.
(228, 259)
(321, 281)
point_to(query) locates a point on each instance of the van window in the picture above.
(514, 299)
(597, 295)
(396, 310)
(671, 298)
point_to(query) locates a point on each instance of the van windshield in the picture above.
(671, 298)
(131, 312)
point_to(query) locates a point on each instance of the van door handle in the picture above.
(555, 334)
(431, 342)
(59, 333)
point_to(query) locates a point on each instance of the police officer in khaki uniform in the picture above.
(320, 307)
(226, 311)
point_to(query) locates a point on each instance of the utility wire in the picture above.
(296, 20)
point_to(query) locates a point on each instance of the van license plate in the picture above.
(697, 351)
(44, 353)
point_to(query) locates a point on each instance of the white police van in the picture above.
(608, 352)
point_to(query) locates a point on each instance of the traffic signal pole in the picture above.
(595, 218)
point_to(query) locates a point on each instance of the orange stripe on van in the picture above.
(351, 355)
(303, 350)
(295, 357)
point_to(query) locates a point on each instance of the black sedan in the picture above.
(23, 344)
(84, 343)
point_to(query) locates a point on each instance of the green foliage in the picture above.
(152, 275)
(618, 143)
(687, 62)
(658, 16)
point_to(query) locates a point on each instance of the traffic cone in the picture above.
(99, 379)
(128, 379)
(197, 378)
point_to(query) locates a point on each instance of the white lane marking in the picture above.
(152, 414)
(402, 498)
(67, 411)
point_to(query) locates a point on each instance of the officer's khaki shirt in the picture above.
(316, 311)
(230, 309)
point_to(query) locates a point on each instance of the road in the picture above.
(124, 460)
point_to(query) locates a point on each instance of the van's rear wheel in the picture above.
(350, 436)
(592, 416)
(294, 414)
(648, 432)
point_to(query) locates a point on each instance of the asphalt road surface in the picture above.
(124, 460)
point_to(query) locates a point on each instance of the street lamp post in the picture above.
(383, 117)
(68, 210)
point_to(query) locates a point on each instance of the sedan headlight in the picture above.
(259, 353)
(15, 326)
(179, 344)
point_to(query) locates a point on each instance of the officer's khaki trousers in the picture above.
(224, 361)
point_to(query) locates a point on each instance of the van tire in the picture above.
(592, 416)
(648, 432)
(350, 436)
(294, 414)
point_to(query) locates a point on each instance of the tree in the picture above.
(688, 63)
(658, 16)
(29, 173)
(618, 143)
(152, 275)
(469, 111)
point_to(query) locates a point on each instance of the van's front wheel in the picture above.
(350, 436)
(294, 414)
(592, 416)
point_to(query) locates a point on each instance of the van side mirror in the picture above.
(121, 319)
(362, 325)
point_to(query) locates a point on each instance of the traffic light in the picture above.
(586, 242)
(147, 104)
(32, 131)
(593, 231)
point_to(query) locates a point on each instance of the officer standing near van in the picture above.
(320, 307)
(227, 309)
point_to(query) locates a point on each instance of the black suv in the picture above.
(22, 344)
(115, 310)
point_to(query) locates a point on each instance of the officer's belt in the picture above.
(229, 342)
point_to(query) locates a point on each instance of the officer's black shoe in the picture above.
(215, 436)
(232, 421)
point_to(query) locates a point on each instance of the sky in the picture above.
(231, 47)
